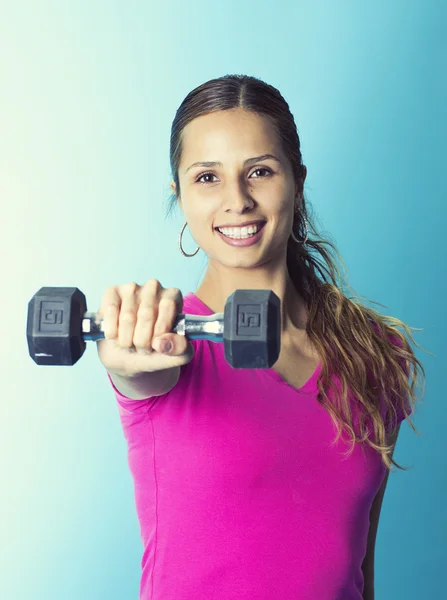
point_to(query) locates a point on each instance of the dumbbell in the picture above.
(58, 327)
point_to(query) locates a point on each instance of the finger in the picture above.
(109, 312)
(169, 307)
(128, 314)
(180, 345)
(146, 316)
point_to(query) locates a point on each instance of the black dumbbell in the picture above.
(59, 325)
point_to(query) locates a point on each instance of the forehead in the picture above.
(225, 131)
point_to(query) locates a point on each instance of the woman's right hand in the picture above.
(136, 319)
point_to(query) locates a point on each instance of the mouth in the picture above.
(238, 231)
(241, 236)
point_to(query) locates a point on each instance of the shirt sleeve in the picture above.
(129, 405)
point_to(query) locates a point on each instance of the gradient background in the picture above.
(88, 92)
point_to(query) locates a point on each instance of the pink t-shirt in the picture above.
(239, 492)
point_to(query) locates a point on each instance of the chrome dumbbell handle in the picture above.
(193, 326)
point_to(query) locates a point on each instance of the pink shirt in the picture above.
(238, 491)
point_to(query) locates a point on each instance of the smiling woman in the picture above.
(265, 483)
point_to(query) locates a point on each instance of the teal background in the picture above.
(88, 92)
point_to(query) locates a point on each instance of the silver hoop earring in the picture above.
(306, 236)
(180, 243)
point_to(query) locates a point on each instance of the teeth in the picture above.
(240, 232)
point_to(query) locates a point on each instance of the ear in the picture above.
(174, 191)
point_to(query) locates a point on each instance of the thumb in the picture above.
(180, 345)
(163, 344)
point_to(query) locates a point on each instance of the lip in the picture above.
(242, 242)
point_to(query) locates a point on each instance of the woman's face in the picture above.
(238, 189)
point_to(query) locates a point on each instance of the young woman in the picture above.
(255, 484)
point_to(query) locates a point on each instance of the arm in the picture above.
(368, 562)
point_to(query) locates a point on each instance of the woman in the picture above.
(255, 484)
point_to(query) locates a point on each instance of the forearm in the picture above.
(146, 385)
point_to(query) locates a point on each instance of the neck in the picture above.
(216, 287)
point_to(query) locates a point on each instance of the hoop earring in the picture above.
(306, 236)
(180, 243)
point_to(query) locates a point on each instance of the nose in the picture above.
(236, 198)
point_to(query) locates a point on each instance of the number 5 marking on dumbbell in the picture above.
(50, 316)
(248, 320)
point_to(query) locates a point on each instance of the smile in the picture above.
(241, 236)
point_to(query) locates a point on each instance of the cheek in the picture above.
(285, 208)
(200, 219)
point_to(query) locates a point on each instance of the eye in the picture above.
(262, 169)
(204, 175)
(212, 175)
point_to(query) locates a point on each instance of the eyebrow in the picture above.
(210, 164)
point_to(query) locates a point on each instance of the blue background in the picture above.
(88, 93)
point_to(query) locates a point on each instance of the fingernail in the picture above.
(165, 346)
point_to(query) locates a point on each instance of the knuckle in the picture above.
(176, 297)
(129, 288)
(110, 291)
(108, 314)
(168, 302)
(175, 292)
(128, 317)
(127, 345)
(140, 340)
(146, 313)
(152, 285)
(111, 308)
(108, 296)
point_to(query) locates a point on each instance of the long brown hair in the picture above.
(363, 348)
